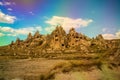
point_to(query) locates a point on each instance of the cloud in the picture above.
(109, 36)
(1, 4)
(67, 22)
(1, 34)
(9, 9)
(31, 13)
(104, 30)
(14, 3)
(112, 36)
(11, 35)
(7, 3)
(49, 29)
(7, 18)
(8, 31)
(118, 34)
(25, 31)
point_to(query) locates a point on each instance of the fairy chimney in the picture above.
(58, 38)
(29, 36)
(36, 35)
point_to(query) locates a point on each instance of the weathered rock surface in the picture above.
(59, 42)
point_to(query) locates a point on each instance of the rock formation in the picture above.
(59, 40)
(29, 36)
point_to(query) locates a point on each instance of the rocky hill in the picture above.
(59, 42)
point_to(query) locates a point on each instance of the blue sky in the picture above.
(91, 17)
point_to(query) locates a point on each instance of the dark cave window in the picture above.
(77, 37)
(92, 44)
(62, 44)
(27, 42)
(40, 43)
(76, 40)
(56, 39)
(18, 44)
(80, 37)
(37, 36)
(56, 35)
(26, 45)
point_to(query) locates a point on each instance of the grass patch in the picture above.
(77, 65)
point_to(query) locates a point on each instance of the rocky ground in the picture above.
(56, 69)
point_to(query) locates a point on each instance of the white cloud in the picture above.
(109, 36)
(6, 18)
(31, 13)
(14, 3)
(9, 9)
(104, 30)
(11, 35)
(112, 36)
(117, 34)
(108, 30)
(49, 29)
(25, 31)
(1, 34)
(1, 4)
(67, 22)
(6, 29)
(7, 3)
(21, 31)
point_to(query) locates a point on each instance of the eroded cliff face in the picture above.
(60, 41)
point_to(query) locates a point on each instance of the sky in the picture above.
(90, 17)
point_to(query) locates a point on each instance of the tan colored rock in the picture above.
(17, 41)
(115, 43)
(58, 39)
(77, 40)
(73, 38)
(12, 43)
(29, 36)
(98, 44)
(37, 34)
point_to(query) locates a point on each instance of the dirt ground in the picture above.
(32, 69)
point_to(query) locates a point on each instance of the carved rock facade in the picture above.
(59, 41)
